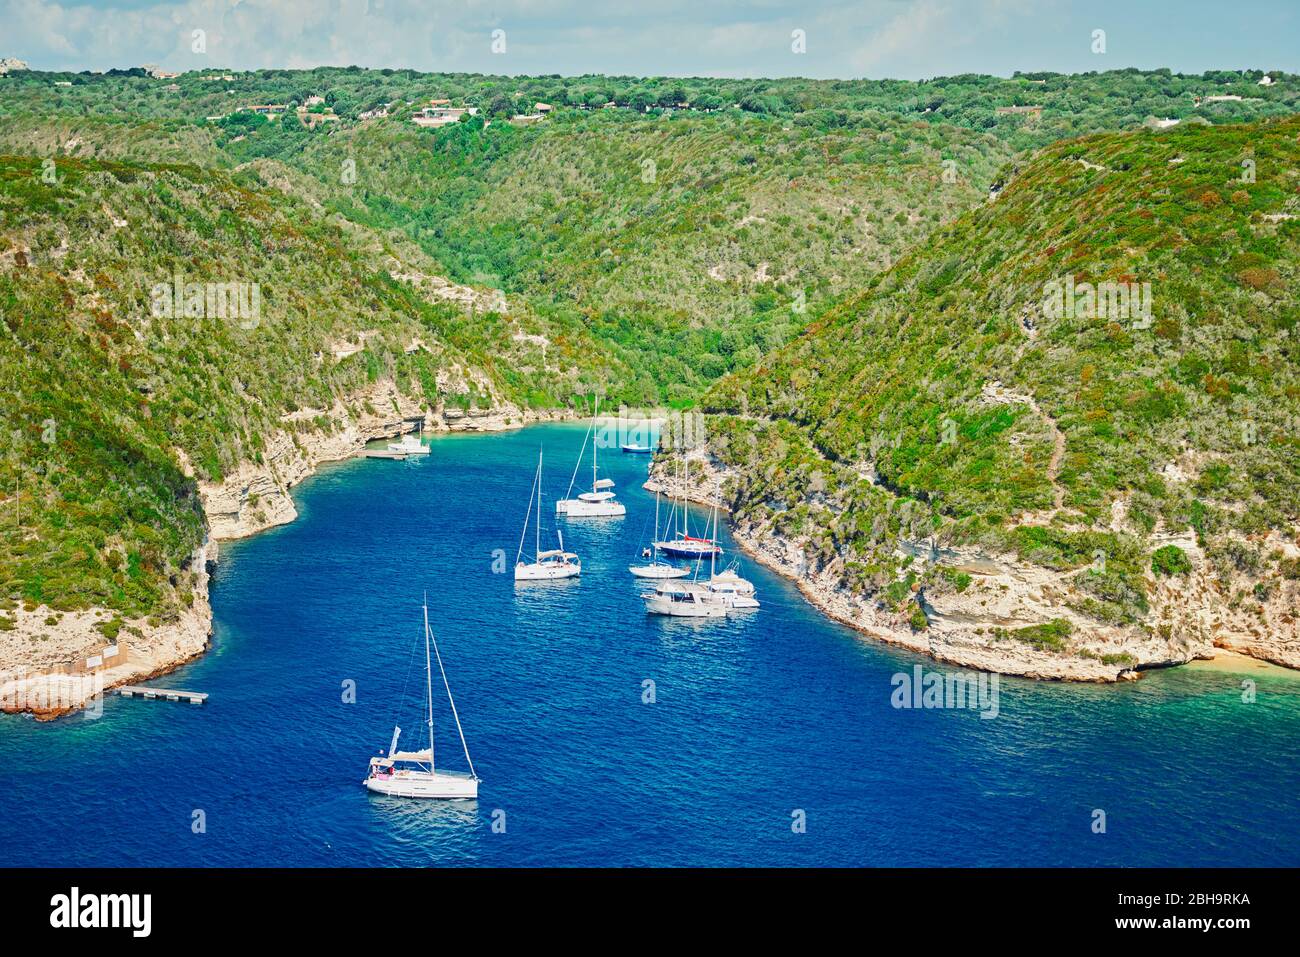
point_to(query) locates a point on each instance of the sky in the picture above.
(846, 39)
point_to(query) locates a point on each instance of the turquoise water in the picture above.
(755, 717)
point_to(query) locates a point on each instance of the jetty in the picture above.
(131, 691)
(382, 454)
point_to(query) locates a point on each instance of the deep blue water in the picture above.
(755, 717)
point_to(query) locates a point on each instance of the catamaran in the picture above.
(684, 544)
(546, 565)
(656, 567)
(413, 773)
(599, 502)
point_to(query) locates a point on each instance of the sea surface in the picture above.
(772, 737)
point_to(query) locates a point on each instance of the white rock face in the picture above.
(35, 656)
(41, 662)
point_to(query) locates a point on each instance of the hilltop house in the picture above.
(1031, 111)
(442, 113)
(313, 120)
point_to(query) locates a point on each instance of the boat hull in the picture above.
(658, 571)
(576, 508)
(538, 573)
(657, 605)
(689, 550)
(424, 785)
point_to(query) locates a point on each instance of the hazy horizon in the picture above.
(820, 40)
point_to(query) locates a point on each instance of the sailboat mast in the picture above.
(537, 544)
(595, 441)
(686, 480)
(428, 679)
(713, 552)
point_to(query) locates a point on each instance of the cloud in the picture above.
(845, 38)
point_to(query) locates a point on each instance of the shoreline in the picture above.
(156, 650)
(254, 498)
(949, 638)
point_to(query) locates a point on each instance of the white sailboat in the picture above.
(599, 502)
(546, 565)
(413, 773)
(683, 544)
(692, 599)
(656, 567)
(409, 444)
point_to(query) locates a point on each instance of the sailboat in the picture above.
(409, 444)
(546, 565)
(657, 567)
(599, 502)
(413, 773)
(684, 544)
(692, 599)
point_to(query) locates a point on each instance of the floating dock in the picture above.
(384, 454)
(131, 691)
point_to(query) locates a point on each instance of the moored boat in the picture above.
(546, 565)
(413, 773)
(600, 501)
(656, 568)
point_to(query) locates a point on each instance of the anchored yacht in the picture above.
(413, 773)
(409, 444)
(656, 567)
(684, 600)
(599, 502)
(552, 563)
(732, 590)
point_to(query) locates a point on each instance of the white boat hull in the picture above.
(532, 573)
(422, 784)
(576, 508)
(697, 604)
(674, 609)
(658, 571)
(739, 601)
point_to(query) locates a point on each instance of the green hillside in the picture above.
(824, 248)
(987, 420)
(107, 381)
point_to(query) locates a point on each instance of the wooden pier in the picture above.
(131, 691)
